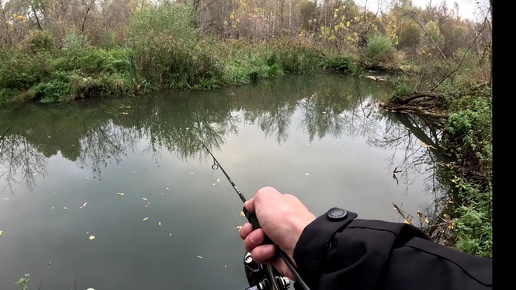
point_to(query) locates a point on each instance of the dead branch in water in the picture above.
(423, 104)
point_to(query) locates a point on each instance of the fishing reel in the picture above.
(263, 277)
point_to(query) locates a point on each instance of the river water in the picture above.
(120, 194)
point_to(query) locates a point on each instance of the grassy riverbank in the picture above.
(88, 72)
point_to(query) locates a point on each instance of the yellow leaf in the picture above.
(146, 218)
(1, 232)
(92, 237)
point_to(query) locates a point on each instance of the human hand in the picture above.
(282, 218)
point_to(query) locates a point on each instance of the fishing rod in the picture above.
(253, 269)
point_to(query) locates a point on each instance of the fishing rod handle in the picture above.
(251, 217)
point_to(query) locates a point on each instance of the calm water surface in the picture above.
(120, 194)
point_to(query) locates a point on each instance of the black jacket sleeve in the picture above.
(369, 254)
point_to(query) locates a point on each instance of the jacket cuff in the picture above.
(315, 241)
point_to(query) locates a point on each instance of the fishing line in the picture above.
(231, 204)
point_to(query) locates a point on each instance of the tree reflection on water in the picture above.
(101, 132)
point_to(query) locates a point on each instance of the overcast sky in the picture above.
(467, 8)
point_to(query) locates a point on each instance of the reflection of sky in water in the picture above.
(327, 172)
(175, 225)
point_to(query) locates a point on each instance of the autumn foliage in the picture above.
(56, 50)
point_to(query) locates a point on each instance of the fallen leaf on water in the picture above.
(159, 223)
(218, 179)
(200, 257)
(64, 207)
(1, 232)
(144, 198)
(92, 237)
(146, 218)
(120, 193)
(90, 289)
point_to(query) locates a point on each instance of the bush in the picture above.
(474, 220)
(21, 71)
(164, 43)
(342, 63)
(75, 42)
(467, 137)
(379, 51)
(40, 40)
(50, 92)
(8, 95)
(164, 22)
(293, 58)
(468, 133)
(94, 60)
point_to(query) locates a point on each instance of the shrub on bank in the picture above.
(467, 139)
